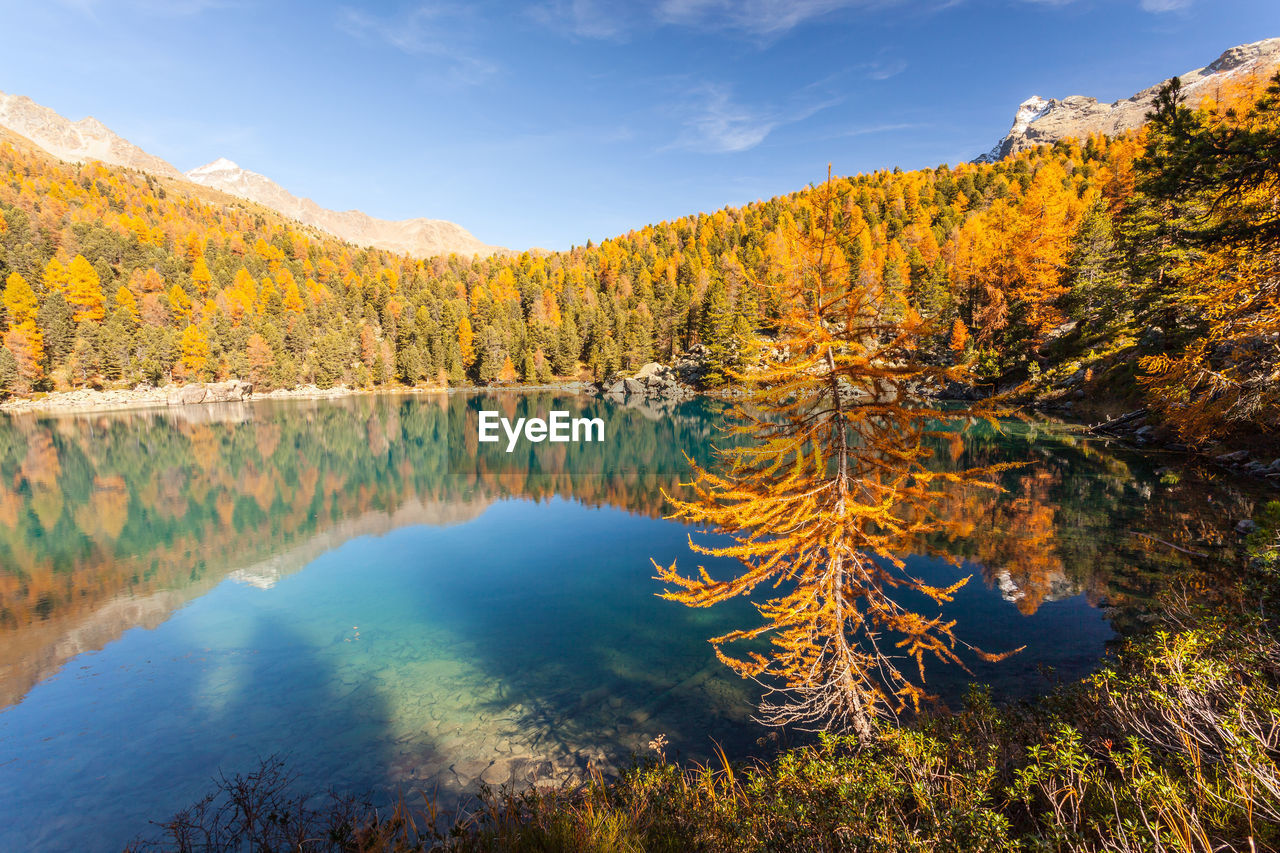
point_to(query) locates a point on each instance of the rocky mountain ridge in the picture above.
(73, 141)
(89, 139)
(1046, 120)
(420, 237)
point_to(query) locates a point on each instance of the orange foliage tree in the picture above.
(828, 489)
(23, 337)
(84, 290)
(195, 351)
(1219, 166)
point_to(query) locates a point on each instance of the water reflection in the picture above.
(111, 521)
(463, 617)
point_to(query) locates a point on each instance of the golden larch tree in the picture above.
(19, 300)
(826, 491)
(194, 346)
(1221, 165)
(23, 337)
(84, 290)
(54, 276)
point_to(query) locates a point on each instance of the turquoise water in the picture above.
(343, 584)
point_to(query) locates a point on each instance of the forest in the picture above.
(1109, 271)
(1142, 266)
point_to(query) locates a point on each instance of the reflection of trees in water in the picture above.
(95, 507)
(1086, 518)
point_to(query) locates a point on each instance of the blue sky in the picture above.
(551, 122)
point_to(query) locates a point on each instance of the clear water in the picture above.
(352, 585)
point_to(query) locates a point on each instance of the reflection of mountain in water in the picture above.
(110, 522)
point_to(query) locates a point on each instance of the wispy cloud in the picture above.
(166, 8)
(714, 122)
(878, 128)
(761, 18)
(1154, 6)
(883, 69)
(765, 20)
(438, 30)
(596, 19)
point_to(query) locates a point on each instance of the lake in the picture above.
(356, 586)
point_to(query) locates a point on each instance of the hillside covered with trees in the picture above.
(1144, 264)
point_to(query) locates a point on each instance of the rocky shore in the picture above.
(149, 397)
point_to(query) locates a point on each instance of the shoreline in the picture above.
(92, 400)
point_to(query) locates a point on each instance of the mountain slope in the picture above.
(89, 139)
(418, 237)
(1040, 120)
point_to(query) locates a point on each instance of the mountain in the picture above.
(87, 139)
(90, 139)
(418, 237)
(1046, 120)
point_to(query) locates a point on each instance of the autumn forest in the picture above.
(1068, 266)
(880, 524)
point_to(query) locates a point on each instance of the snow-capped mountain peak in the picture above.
(1028, 111)
(222, 164)
(1040, 120)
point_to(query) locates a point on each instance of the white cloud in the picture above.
(762, 19)
(1159, 6)
(884, 70)
(437, 30)
(719, 125)
(598, 19)
(714, 122)
(765, 18)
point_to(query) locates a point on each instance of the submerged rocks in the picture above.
(1242, 462)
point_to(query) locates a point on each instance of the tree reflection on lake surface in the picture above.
(360, 585)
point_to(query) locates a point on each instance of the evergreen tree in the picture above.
(1095, 273)
(55, 318)
(8, 370)
(716, 331)
(568, 347)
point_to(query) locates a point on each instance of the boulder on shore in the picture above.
(231, 391)
(653, 381)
